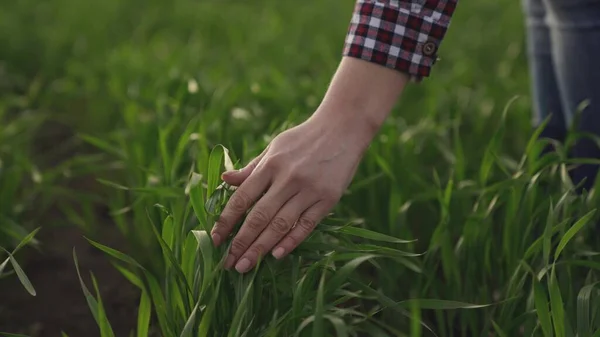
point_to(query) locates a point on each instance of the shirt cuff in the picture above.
(399, 34)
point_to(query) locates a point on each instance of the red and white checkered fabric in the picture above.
(400, 34)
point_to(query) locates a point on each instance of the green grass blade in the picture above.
(542, 308)
(20, 273)
(168, 231)
(133, 278)
(342, 274)
(103, 145)
(583, 310)
(215, 161)
(105, 327)
(204, 243)
(363, 233)
(242, 309)
(572, 232)
(556, 303)
(26, 239)
(319, 324)
(144, 313)
(188, 329)
(208, 314)
(339, 325)
(91, 301)
(196, 192)
(498, 329)
(168, 253)
(441, 304)
(115, 253)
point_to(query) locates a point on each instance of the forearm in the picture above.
(360, 97)
(388, 43)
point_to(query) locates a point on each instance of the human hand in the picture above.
(290, 187)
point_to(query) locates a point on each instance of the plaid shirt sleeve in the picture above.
(399, 34)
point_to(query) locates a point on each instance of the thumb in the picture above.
(237, 177)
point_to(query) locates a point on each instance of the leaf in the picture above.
(214, 167)
(144, 312)
(556, 303)
(441, 304)
(91, 301)
(26, 239)
(159, 304)
(241, 311)
(499, 330)
(103, 145)
(339, 325)
(571, 232)
(342, 274)
(542, 308)
(227, 163)
(204, 243)
(583, 310)
(168, 253)
(387, 302)
(363, 233)
(197, 199)
(20, 273)
(115, 253)
(4, 264)
(133, 278)
(208, 315)
(318, 324)
(105, 328)
(188, 329)
(168, 231)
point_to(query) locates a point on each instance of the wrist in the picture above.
(360, 97)
(354, 123)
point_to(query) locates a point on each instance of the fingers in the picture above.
(278, 227)
(256, 221)
(240, 202)
(304, 226)
(236, 178)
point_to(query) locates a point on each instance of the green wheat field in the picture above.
(118, 117)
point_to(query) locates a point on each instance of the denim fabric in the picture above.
(564, 57)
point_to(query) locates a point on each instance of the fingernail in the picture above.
(243, 265)
(278, 252)
(229, 173)
(229, 262)
(216, 239)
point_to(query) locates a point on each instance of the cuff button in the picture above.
(429, 48)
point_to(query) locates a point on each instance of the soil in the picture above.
(60, 304)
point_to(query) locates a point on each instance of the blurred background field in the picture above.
(106, 107)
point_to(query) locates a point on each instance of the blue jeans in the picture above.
(564, 58)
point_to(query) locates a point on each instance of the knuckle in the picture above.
(281, 225)
(306, 225)
(257, 219)
(238, 246)
(257, 250)
(272, 164)
(221, 224)
(240, 201)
